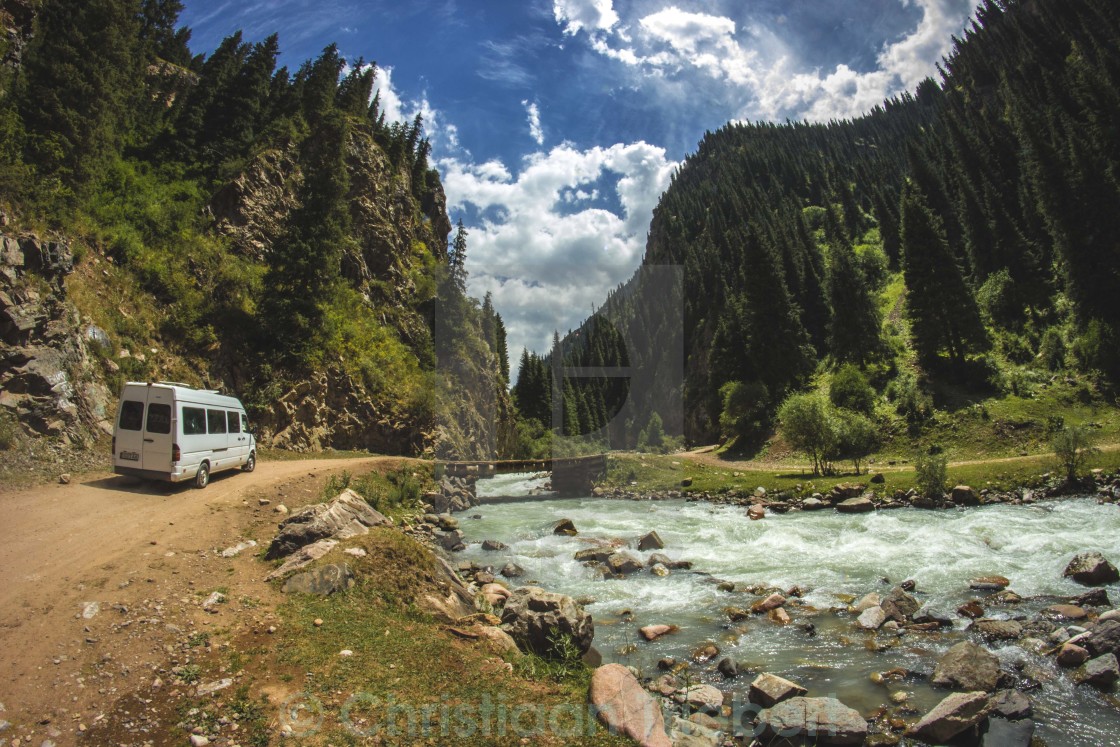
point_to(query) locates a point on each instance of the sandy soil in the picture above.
(148, 555)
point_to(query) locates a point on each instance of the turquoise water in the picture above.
(831, 554)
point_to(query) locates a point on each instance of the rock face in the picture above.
(626, 708)
(1091, 569)
(322, 581)
(967, 666)
(348, 515)
(825, 720)
(952, 716)
(534, 616)
(48, 379)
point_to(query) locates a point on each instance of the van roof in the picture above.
(183, 391)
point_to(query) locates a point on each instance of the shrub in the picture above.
(745, 408)
(1073, 445)
(8, 432)
(932, 474)
(808, 424)
(857, 437)
(849, 389)
(1052, 349)
(911, 401)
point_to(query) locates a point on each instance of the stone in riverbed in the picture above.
(1011, 705)
(1101, 672)
(989, 583)
(860, 505)
(565, 527)
(872, 618)
(931, 613)
(769, 603)
(1104, 638)
(971, 609)
(494, 545)
(512, 570)
(1091, 569)
(754, 513)
(899, 605)
(1066, 612)
(653, 632)
(624, 707)
(953, 716)
(779, 616)
(659, 570)
(998, 630)
(1092, 598)
(651, 541)
(1004, 733)
(1071, 656)
(813, 504)
(728, 667)
(623, 563)
(967, 666)
(705, 651)
(868, 601)
(594, 554)
(825, 720)
(704, 698)
(768, 690)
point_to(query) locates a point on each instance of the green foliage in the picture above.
(849, 389)
(1052, 349)
(911, 401)
(390, 493)
(1073, 445)
(565, 664)
(746, 409)
(857, 437)
(932, 474)
(9, 432)
(808, 423)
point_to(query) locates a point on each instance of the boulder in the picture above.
(303, 557)
(967, 666)
(951, 717)
(971, 609)
(998, 630)
(499, 640)
(768, 690)
(494, 545)
(705, 651)
(813, 504)
(653, 632)
(512, 570)
(826, 721)
(534, 617)
(1066, 612)
(963, 495)
(659, 570)
(860, 505)
(728, 667)
(1005, 733)
(1091, 569)
(651, 541)
(755, 513)
(1092, 598)
(931, 613)
(769, 603)
(1011, 704)
(872, 618)
(565, 527)
(868, 601)
(594, 554)
(1071, 656)
(899, 605)
(348, 515)
(623, 563)
(704, 698)
(779, 616)
(624, 707)
(1103, 639)
(1101, 672)
(322, 581)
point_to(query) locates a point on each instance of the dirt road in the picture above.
(147, 555)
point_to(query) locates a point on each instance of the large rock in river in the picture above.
(1104, 639)
(348, 515)
(1091, 569)
(967, 666)
(825, 721)
(535, 618)
(623, 705)
(954, 715)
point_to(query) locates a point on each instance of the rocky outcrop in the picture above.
(46, 347)
(348, 515)
(537, 618)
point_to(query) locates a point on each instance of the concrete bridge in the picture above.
(570, 475)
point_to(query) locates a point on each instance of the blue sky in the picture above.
(556, 124)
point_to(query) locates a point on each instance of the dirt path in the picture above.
(706, 455)
(147, 554)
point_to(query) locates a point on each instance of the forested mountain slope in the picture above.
(966, 235)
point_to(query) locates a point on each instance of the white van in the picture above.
(169, 431)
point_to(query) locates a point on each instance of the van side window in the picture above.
(159, 418)
(244, 423)
(234, 422)
(216, 421)
(194, 421)
(132, 415)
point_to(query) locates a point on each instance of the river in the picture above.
(835, 556)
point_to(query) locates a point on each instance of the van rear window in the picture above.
(159, 418)
(194, 421)
(216, 420)
(132, 415)
(234, 422)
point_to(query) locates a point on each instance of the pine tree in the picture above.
(854, 327)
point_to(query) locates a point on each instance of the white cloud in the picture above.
(584, 15)
(675, 43)
(391, 103)
(534, 113)
(544, 256)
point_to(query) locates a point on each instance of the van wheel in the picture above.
(250, 463)
(202, 477)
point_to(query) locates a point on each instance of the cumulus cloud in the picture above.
(584, 15)
(534, 114)
(546, 246)
(676, 43)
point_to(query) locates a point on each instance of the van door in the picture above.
(157, 431)
(216, 438)
(130, 429)
(238, 441)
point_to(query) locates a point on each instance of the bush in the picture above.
(745, 408)
(1073, 445)
(849, 389)
(1052, 349)
(910, 400)
(808, 424)
(932, 474)
(8, 432)
(857, 438)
